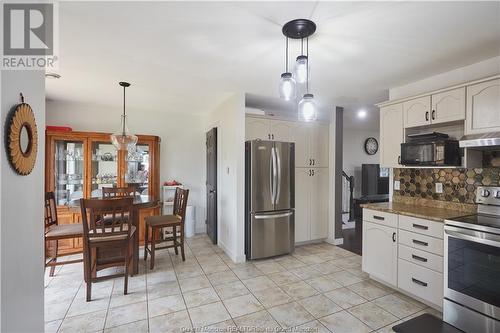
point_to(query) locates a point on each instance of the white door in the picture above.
(483, 107)
(300, 135)
(302, 204)
(319, 203)
(257, 128)
(280, 130)
(448, 106)
(319, 145)
(417, 112)
(380, 252)
(391, 134)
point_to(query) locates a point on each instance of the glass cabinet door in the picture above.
(69, 171)
(104, 167)
(138, 168)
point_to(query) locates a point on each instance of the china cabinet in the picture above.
(79, 164)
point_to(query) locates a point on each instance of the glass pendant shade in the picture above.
(301, 71)
(287, 87)
(307, 108)
(123, 139)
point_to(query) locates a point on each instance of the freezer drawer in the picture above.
(271, 234)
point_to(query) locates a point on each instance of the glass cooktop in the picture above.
(492, 221)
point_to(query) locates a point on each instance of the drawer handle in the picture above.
(422, 259)
(419, 226)
(394, 237)
(376, 217)
(423, 284)
(415, 241)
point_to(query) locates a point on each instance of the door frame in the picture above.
(218, 127)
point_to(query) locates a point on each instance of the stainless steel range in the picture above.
(472, 266)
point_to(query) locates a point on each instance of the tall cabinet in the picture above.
(79, 164)
(311, 169)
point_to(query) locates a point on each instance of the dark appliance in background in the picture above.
(430, 149)
(374, 187)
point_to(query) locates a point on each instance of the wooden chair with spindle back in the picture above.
(54, 232)
(99, 238)
(176, 220)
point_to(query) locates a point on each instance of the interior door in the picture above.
(211, 220)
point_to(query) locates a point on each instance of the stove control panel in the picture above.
(488, 195)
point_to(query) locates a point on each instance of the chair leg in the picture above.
(125, 279)
(89, 291)
(146, 243)
(87, 265)
(182, 244)
(153, 241)
(54, 258)
(175, 239)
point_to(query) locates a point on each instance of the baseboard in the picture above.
(336, 241)
(200, 229)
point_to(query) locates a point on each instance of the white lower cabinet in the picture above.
(380, 252)
(421, 282)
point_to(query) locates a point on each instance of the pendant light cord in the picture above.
(286, 54)
(123, 125)
(307, 65)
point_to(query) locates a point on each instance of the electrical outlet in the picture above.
(439, 187)
(397, 185)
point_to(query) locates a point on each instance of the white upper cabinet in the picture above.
(300, 135)
(319, 145)
(257, 128)
(391, 135)
(448, 106)
(417, 112)
(280, 130)
(483, 107)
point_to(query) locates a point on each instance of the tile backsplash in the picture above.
(459, 185)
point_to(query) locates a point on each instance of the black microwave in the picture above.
(442, 152)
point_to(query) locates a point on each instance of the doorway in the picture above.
(211, 221)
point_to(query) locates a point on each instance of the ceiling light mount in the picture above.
(299, 28)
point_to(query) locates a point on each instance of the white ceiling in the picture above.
(189, 56)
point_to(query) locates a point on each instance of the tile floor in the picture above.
(320, 288)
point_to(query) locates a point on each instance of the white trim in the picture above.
(235, 258)
(336, 241)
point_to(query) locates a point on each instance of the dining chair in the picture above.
(112, 192)
(107, 244)
(176, 220)
(54, 232)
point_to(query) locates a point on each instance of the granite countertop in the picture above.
(424, 212)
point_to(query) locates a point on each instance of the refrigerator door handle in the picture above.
(271, 175)
(278, 180)
(272, 216)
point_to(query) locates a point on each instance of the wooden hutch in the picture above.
(79, 164)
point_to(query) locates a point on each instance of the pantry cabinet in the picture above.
(483, 107)
(391, 135)
(448, 106)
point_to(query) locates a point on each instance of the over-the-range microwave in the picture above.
(431, 149)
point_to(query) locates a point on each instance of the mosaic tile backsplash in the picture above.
(459, 185)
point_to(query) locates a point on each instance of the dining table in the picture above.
(139, 202)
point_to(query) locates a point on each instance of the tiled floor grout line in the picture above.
(109, 305)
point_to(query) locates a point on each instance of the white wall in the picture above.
(21, 228)
(182, 140)
(355, 155)
(229, 118)
(475, 71)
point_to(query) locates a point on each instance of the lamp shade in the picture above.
(307, 108)
(123, 139)
(287, 87)
(301, 70)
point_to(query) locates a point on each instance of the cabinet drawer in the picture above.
(421, 226)
(421, 282)
(421, 258)
(388, 219)
(421, 242)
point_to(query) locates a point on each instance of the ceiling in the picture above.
(189, 56)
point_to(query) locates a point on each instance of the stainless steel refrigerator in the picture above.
(269, 198)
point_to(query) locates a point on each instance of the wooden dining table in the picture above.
(140, 202)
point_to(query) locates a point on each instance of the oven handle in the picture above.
(473, 236)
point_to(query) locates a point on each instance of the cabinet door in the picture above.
(417, 112)
(300, 134)
(483, 105)
(448, 106)
(280, 130)
(319, 203)
(380, 252)
(302, 204)
(319, 145)
(257, 128)
(391, 134)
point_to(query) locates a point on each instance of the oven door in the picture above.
(472, 269)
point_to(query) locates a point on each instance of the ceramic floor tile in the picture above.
(299, 290)
(312, 326)
(284, 278)
(344, 322)
(126, 314)
(132, 297)
(345, 298)
(90, 322)
(52, 326)
(372, 315)
(165, 305)
(258, 283)
(319, 306)
(306, 273)
(177, 322)
(398, 306)
(135, 327)
(323, 284)
(163, 289)
(247, 272)
(258, 322)
(208, 314)
(327, 268)
(272, 297)
(368, 290)
(198, 282)
(242, 305)
(270, 267)
(231, 290)
(290, 314)
(222, 277)
(227, 326)
(344, 278)
(201, 296)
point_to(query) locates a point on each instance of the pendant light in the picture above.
(301, 71)
(287, 87)
(123, 139)
(307, 105)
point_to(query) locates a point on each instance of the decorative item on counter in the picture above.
(22, 138)
(171, 183)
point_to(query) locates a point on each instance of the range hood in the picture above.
(483, 140)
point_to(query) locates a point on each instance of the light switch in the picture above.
(397, 185)
(439, 187)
